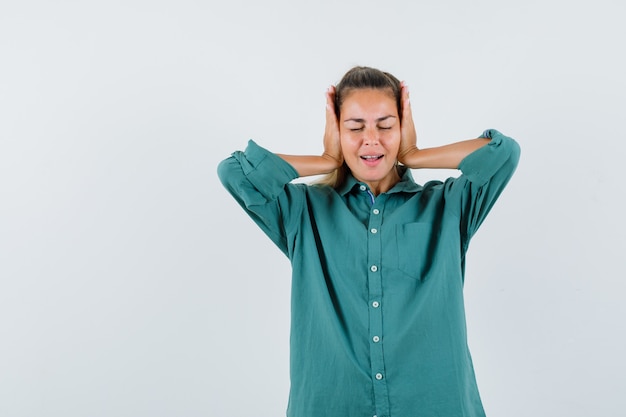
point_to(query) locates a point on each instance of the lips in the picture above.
(371, 157)
(372, 160)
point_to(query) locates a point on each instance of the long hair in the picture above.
(356, 78)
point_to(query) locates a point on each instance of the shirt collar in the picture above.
(406, 183)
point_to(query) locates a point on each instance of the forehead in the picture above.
(375, 102)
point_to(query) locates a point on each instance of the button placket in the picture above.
(374, 253)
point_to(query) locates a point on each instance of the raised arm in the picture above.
(332, 158)
(447, 156)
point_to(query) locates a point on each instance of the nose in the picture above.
(371, 137)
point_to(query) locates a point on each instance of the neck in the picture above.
(385, 184)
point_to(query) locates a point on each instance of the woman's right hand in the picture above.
(332, 142)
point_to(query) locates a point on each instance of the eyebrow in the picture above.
(380, 119)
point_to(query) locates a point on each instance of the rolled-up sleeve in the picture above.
(258, 180)
(485, 173)
(500, 155)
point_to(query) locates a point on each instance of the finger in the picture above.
(330, 98)
(406, 100)
(407, 114)
(331, 115)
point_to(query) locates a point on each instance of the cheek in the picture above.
(392, 140)
(347, 140)
(392, 143)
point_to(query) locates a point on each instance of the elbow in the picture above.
(515, 152)
(507, 145)
(224, 170)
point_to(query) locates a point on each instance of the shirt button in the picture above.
(373, 268)
(375, 211)
(363, 188)
(374, 231)
(379, 376)
(376, 339)
(375, 304)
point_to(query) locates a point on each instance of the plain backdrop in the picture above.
(132, 284)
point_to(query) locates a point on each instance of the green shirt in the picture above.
(377, 315)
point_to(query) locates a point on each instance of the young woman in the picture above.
(378, 261)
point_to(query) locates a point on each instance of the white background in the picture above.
(131, 284)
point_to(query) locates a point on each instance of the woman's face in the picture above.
(369, 127)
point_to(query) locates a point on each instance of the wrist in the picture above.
(407, 154)
(334, 161)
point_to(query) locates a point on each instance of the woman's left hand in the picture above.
(408, 141)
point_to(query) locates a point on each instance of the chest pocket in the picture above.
(415, 248)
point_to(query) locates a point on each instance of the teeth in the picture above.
(371, 156)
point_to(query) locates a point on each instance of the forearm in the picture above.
(307, 165)
(446, 156)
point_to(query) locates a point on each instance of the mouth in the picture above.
(371, 157)
(372, 161)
